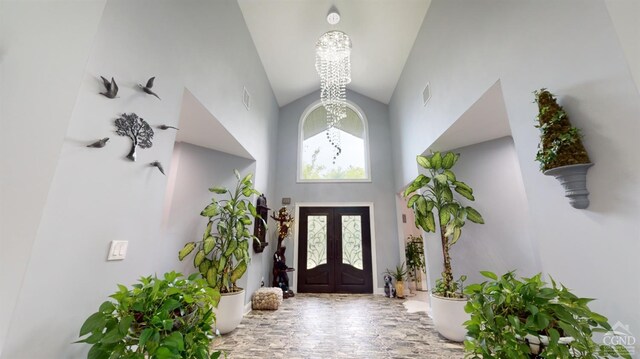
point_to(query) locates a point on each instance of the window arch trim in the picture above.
(367, 162)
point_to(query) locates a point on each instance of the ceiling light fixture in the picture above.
(333, 17)
(333, 63)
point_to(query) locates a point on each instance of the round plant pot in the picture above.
(400, 289)
(229, 312)
(449, 317)
(574, 180)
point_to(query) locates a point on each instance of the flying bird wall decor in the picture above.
(158, 165)
(137, 129)
(147, 88)
(166, 127)
(110, 87)
(100, 143)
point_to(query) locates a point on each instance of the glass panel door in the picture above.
(352, 241)
(316, 241)
(334, 250)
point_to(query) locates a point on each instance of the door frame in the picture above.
(374, 265)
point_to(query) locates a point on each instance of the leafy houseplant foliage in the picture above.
(505, 311)
(414, 252)
(560, 143)
(222, 255)
(158, 318)
(433, 199)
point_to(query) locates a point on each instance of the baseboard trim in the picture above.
(247, 308)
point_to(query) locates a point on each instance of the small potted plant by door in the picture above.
(399, 273)
(222, 255)
(560, 152)
(168, 317)
(414, 252)
(437, 209)
(526, 318)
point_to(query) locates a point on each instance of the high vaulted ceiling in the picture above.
(285, 33)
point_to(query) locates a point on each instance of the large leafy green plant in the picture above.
(432, 198)
(507, 314)
(222, 255)
(158, 318)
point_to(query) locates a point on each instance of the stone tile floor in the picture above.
(337, 326)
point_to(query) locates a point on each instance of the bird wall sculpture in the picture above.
(110, 87)
(100, 143)
(166, 127)
(158, 165)
(147, 88)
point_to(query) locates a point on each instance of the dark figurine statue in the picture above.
(158, 165)
(110, 87)
(280, 269)
(147, 88)
(100, 143)
(137, 129)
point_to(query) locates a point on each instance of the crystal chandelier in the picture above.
(333, 63)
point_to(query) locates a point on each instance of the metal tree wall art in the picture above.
(137, 129)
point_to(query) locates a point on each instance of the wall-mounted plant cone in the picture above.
(560, 152)
(560, 143)
(574, 180)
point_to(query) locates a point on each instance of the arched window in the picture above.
(315, 153)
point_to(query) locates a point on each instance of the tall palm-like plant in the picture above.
(431, 197)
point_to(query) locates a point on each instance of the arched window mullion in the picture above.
(315, 152)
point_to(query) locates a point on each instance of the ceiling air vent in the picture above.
(426, 94)
(246, 98)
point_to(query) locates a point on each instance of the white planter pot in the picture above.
(449, 317)
(229, 312)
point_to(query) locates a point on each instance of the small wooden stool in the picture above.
(266, 298)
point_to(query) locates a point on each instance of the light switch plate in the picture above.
(117, 250)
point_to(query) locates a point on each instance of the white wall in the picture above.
(571, 48)
(625, 15)
(96, 195)
(379, 190)
(44, 46)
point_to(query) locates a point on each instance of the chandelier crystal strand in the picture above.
(333, 63)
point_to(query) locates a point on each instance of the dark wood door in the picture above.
(334, 250)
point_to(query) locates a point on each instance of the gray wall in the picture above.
(379, 190)
(503, 243)
(570, 47)
(194, 170)
(84, 198)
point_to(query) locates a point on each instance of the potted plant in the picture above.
(169, 317)
(399, 274)
(222, 255)
(414, 253)
(525, 318)
(437, 209)
(560, 152)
